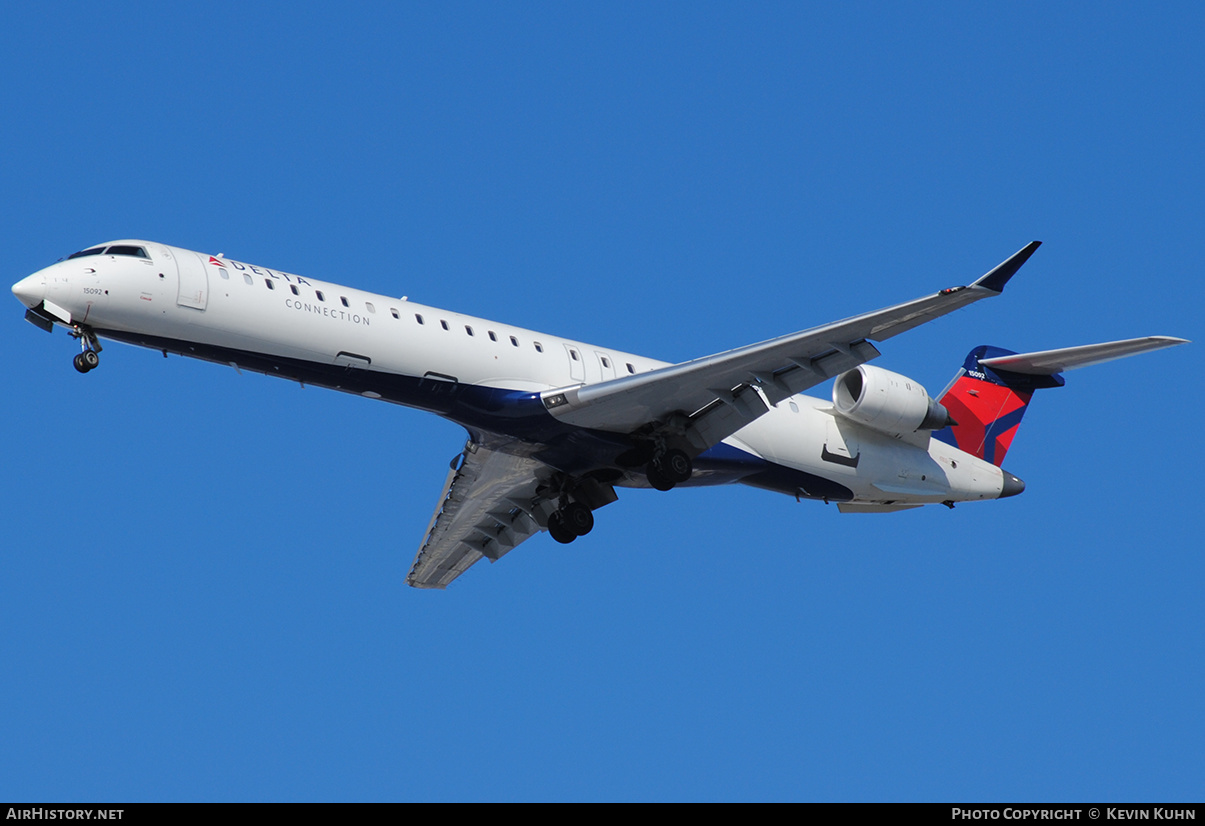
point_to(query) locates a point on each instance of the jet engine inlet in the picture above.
(887, 402)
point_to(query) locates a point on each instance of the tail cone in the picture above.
(1012, 485)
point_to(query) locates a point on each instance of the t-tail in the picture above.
(990, 394)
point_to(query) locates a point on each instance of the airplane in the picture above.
(556, 425)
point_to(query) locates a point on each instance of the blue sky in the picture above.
(203, 595)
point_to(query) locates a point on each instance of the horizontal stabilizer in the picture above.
(1049, 362)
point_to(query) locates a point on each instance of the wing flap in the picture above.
(733, 409)
(716, 393)
(488, 507)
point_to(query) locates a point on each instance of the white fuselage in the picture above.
(469, 369)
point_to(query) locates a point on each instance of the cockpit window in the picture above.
(117, 249)
(82, 253)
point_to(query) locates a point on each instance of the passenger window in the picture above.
(514, 341)
(343, 298)
(393, 312)
(296, 291)
(443, 324)
(371, 308)
(794, 407)
(319, 295)
(631, 369)
(573, 354)
(247, 278)
(539, 347)
(268, 281)
(493, 337)
(419, 318)
(468, 329)
(225, 275)
(605, 363)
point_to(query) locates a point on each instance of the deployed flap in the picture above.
(488, 506)
(1049, 362)
(717, 392)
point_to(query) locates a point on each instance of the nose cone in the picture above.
(1012, 485)
(30, 291)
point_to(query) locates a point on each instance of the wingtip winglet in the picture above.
(998, 277)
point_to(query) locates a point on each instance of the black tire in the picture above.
(78, 361)
(91, 359)
(559, 530)
(578, 518)
(656, 479)
(675, 466)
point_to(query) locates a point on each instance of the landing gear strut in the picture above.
(89, 359)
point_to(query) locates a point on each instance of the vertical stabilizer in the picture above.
(987, 405)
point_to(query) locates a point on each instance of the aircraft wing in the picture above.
(490, 503)
(713, 397)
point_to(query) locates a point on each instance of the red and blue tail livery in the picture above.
(991, 392)
(987, 405)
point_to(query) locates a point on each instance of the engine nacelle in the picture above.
(887, 402)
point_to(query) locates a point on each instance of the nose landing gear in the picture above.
(89, 359)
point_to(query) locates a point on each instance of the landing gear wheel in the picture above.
(670, 468)
(656, 479)
(559, 530)
(577, 518)
(675, 466)
(89, 344)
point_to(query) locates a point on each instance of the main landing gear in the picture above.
(671, 468)
(569, 522)
(89, 359)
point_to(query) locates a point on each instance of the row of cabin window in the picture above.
(606, 362)
(271, 285)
